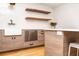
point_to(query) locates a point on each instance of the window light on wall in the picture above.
(5, 8)
(11, 5)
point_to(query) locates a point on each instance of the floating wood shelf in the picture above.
(36, 10)
(35, 18)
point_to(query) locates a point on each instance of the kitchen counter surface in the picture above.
(16, 31)
(76, 30)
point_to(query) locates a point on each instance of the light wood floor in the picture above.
(36, 51)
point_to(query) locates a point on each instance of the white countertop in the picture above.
(50, 29)
(12, 31)
(76, 30)
(55, 29)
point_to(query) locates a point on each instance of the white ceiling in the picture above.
(53, 5)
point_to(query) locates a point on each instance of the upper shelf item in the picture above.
(35, 18)
(11, 6)
(12, 3)
(37, 10)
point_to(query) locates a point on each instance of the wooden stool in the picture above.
(73, 45)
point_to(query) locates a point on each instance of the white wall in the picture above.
(67, 15)
(18, 14)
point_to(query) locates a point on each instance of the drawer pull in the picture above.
(13, 37)
(31, 44)
(42, 33)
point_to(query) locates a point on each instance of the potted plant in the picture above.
(53, 24)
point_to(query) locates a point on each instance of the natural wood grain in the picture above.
(70, 37)
(53, 44)
(35, 18)
(36, 10)
(11, 42)
(36, 51)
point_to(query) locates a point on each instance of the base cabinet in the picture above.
(34, 43)
(11, 43)
(34, 38)
(29, 38)
(53, 44)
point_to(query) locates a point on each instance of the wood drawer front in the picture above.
(11, 46)
(40, 31)
(27, 44)
(13, 39)
(40, 35)
(36, 43)
(41, 42)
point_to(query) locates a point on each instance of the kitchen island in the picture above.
(57, 41)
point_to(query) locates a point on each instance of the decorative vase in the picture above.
(53, 25)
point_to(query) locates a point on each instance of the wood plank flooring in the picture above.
(35, 51)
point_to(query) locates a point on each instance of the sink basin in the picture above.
(13, 31)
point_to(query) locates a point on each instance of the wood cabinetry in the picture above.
(35, 38)
(37, 10)
(1, 34)
(11, 42)
(41, 35)
(37, 18)
(31, 35)
(1, 37)
(29, 38)
(53, 44)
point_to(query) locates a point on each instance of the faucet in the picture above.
(11, 22)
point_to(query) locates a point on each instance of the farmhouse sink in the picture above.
(13, 31)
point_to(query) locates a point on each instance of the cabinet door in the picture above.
(12, 42)
(33, 35)
(26, 36)
(1, 37)
(31, 38)
(40, 35)
(36, 43)
(30, 35)
(53, 44)
(1, 34)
